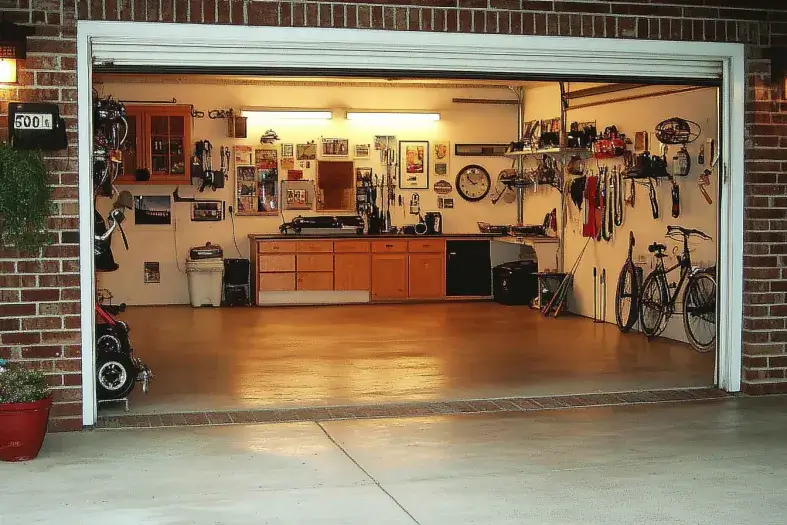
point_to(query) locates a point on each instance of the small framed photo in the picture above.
(441, 169)
(306, 151)
(204, 211)
(153, 209)
(362, 151)
(287, 150)
(335, 147)
(152, 271)
(243, 155)
(414, 165)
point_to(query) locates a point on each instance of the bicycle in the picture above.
(699, 296)
(627, 294)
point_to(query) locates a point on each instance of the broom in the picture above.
(561, 294)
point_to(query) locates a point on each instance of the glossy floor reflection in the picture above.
(699, 463)
(225, 359)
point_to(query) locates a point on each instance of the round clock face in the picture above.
(473, 183)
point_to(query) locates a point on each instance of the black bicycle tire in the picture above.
(652, 331)
(693, 280)
(633, 314)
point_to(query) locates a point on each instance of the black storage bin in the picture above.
(515, 282)
(236, 282)
(236, 272)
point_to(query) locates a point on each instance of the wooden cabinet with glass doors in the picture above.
(159, 141)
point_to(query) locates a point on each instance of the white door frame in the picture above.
(298, 49)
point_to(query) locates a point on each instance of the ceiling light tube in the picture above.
(288, 114)
(397, 116)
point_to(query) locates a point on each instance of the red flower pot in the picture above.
(22, 429)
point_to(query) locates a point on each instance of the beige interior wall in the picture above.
(630, 117)
(460, 123)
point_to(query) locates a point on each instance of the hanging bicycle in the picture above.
(657, 303)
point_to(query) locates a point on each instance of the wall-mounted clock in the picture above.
(473, 183)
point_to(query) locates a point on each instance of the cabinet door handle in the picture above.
(451, 254)
(389, 245)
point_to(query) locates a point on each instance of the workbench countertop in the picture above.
(294, 237)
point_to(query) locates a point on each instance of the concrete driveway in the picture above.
(711, 462)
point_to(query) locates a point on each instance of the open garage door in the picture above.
(384, 53)
(172, 48)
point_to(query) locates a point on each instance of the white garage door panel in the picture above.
(251, 47)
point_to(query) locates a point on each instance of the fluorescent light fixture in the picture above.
(395, 116)
(7, 71)
(288, 114)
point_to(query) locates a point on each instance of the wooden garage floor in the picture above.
(247, 358)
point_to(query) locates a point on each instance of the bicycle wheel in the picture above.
(653, 305)
(699, 312)
(627, 298)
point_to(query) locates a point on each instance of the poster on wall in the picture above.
(153, 209)
(382, 142)
(306, 151)
(288, 163)
(246, 190)
(414, 165)
(335, 147)
(205, 211)
(243, 155)
(441, 152)
(266, 158)
(287, 150)
(362, 151)
(152, 272)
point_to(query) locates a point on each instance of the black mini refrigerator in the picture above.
(516, 283)
(237, 289)
(468, 269)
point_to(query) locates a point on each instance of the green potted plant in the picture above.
(25, 199)
(25, 400)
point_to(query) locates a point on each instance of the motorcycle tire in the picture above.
(111, 339)
(116, 375)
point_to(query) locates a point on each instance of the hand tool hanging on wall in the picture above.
(704, 180)
(654, 202)
(675, 200)
(631, 199)
(606, 209)
(618, 197)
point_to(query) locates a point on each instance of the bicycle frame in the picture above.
(684, 263)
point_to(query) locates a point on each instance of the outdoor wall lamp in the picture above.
(13, 47)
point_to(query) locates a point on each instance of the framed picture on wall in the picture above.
(153, 209)
(441, 153)
(362, 151)
(152, 272)
(204, 211)
(335, 147)
(414, 165)
(306, 151)
(287, 150)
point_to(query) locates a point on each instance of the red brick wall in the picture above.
(38, 295)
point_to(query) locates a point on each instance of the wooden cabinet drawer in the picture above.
(315, 246)
(426, 246)
(277, 282)
(276, 246)
(276, 263)
(315, 262)
(351, 246)
(392, 246)
(316, 282)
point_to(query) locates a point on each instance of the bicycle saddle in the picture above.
(657, 249)
(687, 232)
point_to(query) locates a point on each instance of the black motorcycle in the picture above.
(117, 368)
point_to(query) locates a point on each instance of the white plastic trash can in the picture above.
(205, 281)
